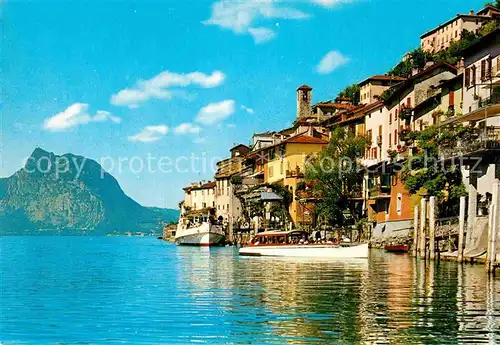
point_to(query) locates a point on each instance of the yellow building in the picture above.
(284, 164)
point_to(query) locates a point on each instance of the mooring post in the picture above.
(461, 230)
(421, 234)
(432, 228)
(472, 211)
(231, 236)
(493, 226)
(415, 231)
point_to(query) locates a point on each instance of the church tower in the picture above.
(304, 98)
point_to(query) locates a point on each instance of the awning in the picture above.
(267, 196)
(476, 115)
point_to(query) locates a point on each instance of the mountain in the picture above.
(71, 194)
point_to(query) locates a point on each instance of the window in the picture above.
(228, 207)
(396, 115)
(213, 203)
(390, 140)
(467, 77)
(473, 75)
(395, 137)
(399, 203)
(386, 207)
(408, 101)
(390, 118)
(483, 69)
(194, 205)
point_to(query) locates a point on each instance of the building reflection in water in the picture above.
(387, 299)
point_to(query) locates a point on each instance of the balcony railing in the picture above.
(405, 113)
(379, 191)
(295, 173)
(493, 99)
(483, 140)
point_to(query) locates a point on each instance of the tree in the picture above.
(334, 173)
(352, 92)
(424, 171)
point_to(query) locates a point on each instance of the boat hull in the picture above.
(311, 251)
(204, 235)
(399, 248)
(201, 239)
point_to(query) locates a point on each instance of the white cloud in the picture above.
(159, 87)
(331, 61)
(150, 134)
(247, 109)
(187, 128)
(331, 3)
(239, 16)
(75, 115)
(215, 112)
(200, 140)
(261, 35)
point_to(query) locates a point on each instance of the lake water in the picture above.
(145, 291)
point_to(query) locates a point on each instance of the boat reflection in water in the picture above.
(386, 299)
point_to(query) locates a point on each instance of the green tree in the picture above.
(334, 174)
(425, 172)
(352, 92)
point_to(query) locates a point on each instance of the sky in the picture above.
(158, 91)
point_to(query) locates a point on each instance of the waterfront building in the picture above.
(444, 34)
(198, 197)
(422, 100)
(479, 153)
(228, 206)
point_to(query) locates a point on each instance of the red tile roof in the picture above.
(305, 139)
(208, 185)
(330, 104)
(382, 78)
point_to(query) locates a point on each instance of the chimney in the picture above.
(310, 131)
(471, 12)
(304, 97)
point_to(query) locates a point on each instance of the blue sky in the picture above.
(117, 79)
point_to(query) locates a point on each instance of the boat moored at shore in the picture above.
(199, 231)
(294, 244)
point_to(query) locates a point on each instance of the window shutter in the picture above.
(452, 97)
(483, 69)
(467, 77)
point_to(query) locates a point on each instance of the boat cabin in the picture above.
(274, 238)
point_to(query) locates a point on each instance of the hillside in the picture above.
(48, 195)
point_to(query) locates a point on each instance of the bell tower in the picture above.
(304, 98)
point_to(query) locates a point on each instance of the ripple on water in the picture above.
(141, 290)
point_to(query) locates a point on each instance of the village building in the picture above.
(228, 206)
(198, 197)
(479, 153)
(444, 34)
(372, 88)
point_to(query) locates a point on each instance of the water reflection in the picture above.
(130, 290)
(388, 299)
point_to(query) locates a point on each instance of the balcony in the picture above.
(492, 100)
(379, 192)
(405, 113)
(487, 139)
(297, 173)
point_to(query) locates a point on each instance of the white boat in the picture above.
(292, 244)
(199, 232)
